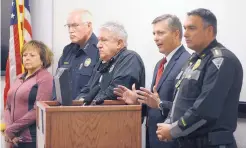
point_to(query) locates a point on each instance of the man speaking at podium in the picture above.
(117, 66)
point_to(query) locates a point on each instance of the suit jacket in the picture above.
(165, 89)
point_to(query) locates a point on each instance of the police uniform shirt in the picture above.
(125, 68)
(207, 93)
(81, 62)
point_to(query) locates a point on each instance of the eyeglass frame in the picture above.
(75, 25)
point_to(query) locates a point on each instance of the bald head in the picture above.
(79, 23)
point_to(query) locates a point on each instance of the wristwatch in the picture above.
(161, 105)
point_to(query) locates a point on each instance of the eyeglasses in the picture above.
(74, 25)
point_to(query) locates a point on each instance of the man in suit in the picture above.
(167, 31)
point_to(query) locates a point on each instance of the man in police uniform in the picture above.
(167, 33)
(81, 55)
(117, 65)
(204, 113)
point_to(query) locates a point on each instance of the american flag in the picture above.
(20, 32)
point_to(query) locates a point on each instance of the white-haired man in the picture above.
(117, 65)
(81, 55)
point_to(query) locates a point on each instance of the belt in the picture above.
(198, 142)
(219, 139)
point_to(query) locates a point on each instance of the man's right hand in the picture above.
(127, 95)
(147, 97)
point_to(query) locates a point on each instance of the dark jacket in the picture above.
(207, 95)
(125, 68)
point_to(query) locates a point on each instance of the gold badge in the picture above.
(197, 64)
(87, 62)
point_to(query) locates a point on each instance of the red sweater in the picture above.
(20, 112)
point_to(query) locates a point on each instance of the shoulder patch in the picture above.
(218, 62)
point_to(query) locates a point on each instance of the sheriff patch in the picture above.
(218, 62)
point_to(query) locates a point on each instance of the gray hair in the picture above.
(117, 29)
(85, 15)
(173, 23)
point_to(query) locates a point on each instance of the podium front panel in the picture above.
(107, 126)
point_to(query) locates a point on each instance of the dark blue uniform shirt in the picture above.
(81, 62)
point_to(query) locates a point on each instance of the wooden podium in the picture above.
(111, 125)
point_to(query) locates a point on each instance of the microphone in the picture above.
(91, 95)
(99, 101)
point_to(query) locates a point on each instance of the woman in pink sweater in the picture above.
(35, 84)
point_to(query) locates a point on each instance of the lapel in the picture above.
(170, 66)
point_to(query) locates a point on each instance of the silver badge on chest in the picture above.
(100, 79)
(111, 68)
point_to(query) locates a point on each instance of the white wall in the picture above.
(42, 23)
(137, 16)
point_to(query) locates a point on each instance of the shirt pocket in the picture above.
(83, 76)
(190, 85)
(85, 71)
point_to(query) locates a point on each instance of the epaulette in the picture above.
(217, 51)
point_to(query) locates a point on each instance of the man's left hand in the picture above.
(163, 132)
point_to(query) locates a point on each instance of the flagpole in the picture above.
(23, 21)
(19, 28)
